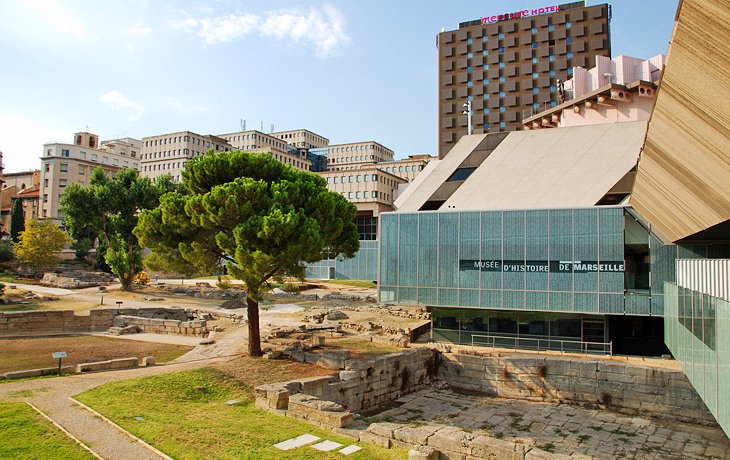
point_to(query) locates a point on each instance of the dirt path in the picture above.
(51, 396)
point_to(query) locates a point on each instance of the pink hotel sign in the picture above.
(520, 14)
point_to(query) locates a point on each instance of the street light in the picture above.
(467, 112)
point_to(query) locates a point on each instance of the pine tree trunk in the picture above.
(254, 335)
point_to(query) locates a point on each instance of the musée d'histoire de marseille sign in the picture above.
(542, 266)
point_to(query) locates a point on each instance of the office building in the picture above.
(167, 153)
(257, 141)
(508, 64)
(65, 164)
(302, 138)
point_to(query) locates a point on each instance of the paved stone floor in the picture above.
(562, 428)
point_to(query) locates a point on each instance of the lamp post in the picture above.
(467, 112)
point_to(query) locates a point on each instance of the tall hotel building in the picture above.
(509, 64)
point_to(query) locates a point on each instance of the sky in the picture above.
(349, 70)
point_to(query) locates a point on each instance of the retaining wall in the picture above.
(42, 322)
(622, 387)
(196, 327)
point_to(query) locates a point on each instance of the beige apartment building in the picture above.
(407, 168)
(168, 153)
(257, 141)
(65, 164)
(24, 186)
(302, 138)
(370, 189)
(355, 154)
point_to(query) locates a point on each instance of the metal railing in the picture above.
(534, 343)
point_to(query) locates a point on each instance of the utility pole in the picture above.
(467, 112)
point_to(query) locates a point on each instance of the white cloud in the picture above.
(58, 18)
(138, 30)
(322, 28)
(119, 102)
(186, 109)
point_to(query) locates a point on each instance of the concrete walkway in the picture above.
(51, 396)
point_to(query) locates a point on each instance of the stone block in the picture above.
(384, 429)
(423, 453)
(318, 340)
(489, 447)
(416, 435)
(451, 439)
(374, 439)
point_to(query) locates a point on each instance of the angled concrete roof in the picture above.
(548, 168)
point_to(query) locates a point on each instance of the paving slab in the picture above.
(351, 449)
(299, 441)
(326, 446)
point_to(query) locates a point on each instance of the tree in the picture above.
(17, 219)
(37, 243)
(260, 218)
(108, 207)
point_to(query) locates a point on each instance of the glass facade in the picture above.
(558, 260)
(697, 331)
(363, 266)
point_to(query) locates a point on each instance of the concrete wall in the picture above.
(621, 387)
(29, 323)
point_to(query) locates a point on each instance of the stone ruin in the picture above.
(71, 279)
(162, 320)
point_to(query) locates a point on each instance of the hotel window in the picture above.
(470, 84)
(485, 53)
(551, 28)
(502, 109)
(552, 58)
(569, 39)
(486, 96)
(535, 90)
(45, 200)
(500, 35)
(552, 73)
(502, 124)
(501, 94)
(570, 71)
(534, 45)
(469, 69)
(485, 38)
(45, 183)
(486, 125)
(116, 162)
(349, 179)
(485, 67)
(501, 49)
(535, 75)
(485, 111)
(501, 65)
(502, 79)
(469, 55)
(64, 153)
(568, 25)
(64, 167)
(469, 41)
(570, 55)
(534, 30)
(408, 168)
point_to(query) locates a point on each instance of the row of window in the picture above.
(263, 138)
(176, 139)
(361, 178)
(360, 195)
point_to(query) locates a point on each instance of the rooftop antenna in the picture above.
(243, 124)
(272, 127)
(262, 126)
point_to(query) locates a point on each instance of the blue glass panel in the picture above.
(427, 296)
(537, 301)
(448, 254)
(448, 297)
(611, 303)
(469, 297)
(561, 249)
(469, 242)
(585, 247)
(389, 249)
(491, 248)
(427, 249)
(407, 295)
(514, 299)
(561, 301)
(537, 225)
(491, 299)
(586, 303)
(408, 250)
(514, 249)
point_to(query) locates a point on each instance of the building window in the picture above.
(48, 152)
(502, 79)
(552, 73)
(469, 55)
(551, 28)
(570, 71)
(82, 170)
(93, 157)
(358, 178)
(375, 194)
(534, 30)
(552, 58)
(534, 60)
(501, 65)
(64, 167)
(502, 109)
(470, 84)
(535, 90)
(501, 49)
(349, 195)
(469, 69)
(367, 177)
(64, 153)
(357, 195)
(501, 94)
(485, 111)
(569, 39)
(502, 124)
(568, 25)
(486, 125)
(534, 45)
(366, 194)
(570, 55)
(461, 174)
(535, 75)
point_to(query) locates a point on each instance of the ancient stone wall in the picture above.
(361, 386)
(622, 387)
(42, 322)
(103, 318)
(196, 327)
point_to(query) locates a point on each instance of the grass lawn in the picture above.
(186, 416)
(21, 354)
(27, 435)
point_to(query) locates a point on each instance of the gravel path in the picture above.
(51, 396)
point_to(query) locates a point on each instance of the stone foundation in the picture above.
(622, 387)
(42, 322)
(361, 386)
(196, 328)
